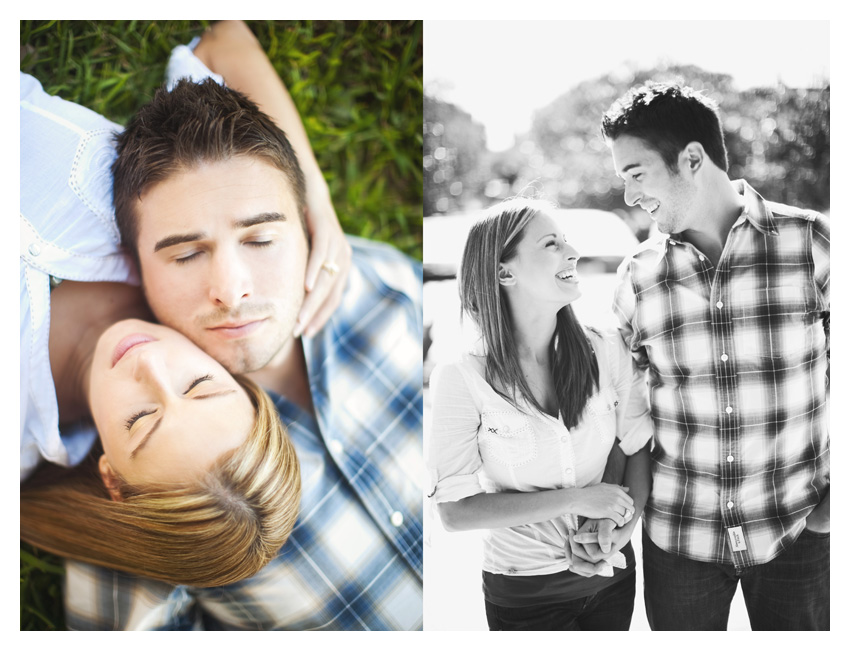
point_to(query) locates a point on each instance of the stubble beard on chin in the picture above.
(252, 353)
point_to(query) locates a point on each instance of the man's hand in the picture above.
(329, 263)
(818, 520)
(598, 540)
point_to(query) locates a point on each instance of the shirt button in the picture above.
(728, 410)
(724, 357)
(569, 471)
(563, 439)
(730, 458)
(335, 446)
(34, 249)
(396, 519)
(702, 258)
(730, 504)
(719, 304)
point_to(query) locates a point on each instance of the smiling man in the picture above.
(728, 309)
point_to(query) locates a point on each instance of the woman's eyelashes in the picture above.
(197, 381)
(141, 414)
(135, 417)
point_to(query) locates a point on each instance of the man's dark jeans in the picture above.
(791, 592)
(609, 609)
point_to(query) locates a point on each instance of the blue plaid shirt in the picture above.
(354, 559)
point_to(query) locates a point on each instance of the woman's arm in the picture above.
(454, 463)
(230, 49)
(497, 510)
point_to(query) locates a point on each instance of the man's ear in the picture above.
(506, 278)
(110, 479)
(693, 156)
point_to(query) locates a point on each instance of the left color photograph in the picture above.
(221, 325)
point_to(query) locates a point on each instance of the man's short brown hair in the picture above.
(191, 124)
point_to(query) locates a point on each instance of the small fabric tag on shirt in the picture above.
(736, 539)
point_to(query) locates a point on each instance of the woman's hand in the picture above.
(600, 539)
(329, 263)
(604, 501)
(579, 565)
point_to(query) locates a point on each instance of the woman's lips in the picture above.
(128, 342)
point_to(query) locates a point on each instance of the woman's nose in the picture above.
(151, 369)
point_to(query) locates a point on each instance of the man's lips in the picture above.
(651, 208)
(128, 342)
(237, 329)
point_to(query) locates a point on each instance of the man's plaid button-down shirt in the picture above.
(738, 372)
(354, 559)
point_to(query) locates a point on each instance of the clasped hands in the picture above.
(595, 541)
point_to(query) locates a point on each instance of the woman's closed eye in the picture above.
(197, 381)
(135, 417)
(141, 414)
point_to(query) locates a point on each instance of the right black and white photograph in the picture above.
(626, 258)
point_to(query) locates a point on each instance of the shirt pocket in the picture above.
(602, 412)
(507, 438)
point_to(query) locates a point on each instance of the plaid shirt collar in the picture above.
(755, 210)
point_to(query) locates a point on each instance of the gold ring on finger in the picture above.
(331, 267)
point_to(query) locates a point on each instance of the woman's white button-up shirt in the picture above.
(479, 443)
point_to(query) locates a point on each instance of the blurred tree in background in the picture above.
(453, 145)
(778, 139)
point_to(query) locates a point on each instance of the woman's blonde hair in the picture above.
(220, 529)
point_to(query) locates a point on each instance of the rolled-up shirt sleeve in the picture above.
(634, 422)
(453, 458)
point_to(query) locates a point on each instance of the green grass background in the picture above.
(357, 86)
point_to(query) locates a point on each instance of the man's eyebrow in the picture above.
(262, 218)
(172, 240)
(156, 425)
(627, 168)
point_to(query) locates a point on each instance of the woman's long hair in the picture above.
(493, 241)
(217, 530)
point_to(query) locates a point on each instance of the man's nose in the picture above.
(631, 196)
(230, 281)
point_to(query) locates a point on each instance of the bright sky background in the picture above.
(501, 71)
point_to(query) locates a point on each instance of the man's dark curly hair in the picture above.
(667, 116)
(191, 124)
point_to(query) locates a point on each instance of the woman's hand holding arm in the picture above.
(230, 49)
(599, 539)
